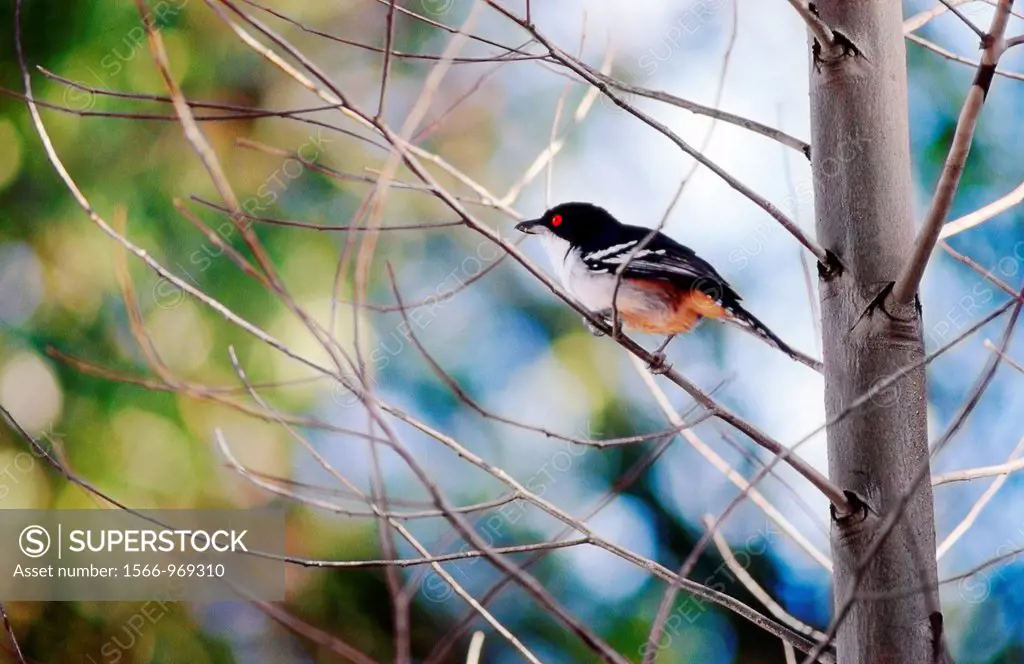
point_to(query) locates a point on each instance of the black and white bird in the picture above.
(665, 287)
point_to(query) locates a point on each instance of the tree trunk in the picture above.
(863, 199)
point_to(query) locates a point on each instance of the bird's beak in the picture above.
(529, 227)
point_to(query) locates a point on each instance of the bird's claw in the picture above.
(592, 328)
(658, 365)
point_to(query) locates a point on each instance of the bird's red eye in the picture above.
(556, 220)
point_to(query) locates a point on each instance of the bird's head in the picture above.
(572, 222)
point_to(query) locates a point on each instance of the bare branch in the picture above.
(925, 16)
(621, 484)
(649, 565)
(547, 155)
(910, 276)
(200, 393)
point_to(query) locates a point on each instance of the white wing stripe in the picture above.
(598, 255)
(624, 255)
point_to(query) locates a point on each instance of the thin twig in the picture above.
(805, 268)
(983, 381)
(966, 21)
(923, 17)
(988, 275)
(445, 558)
(754, 588)
(306, 225)
(320, 637)
(400, 601)
(700, 109)
(156, 266)
(428, 129)
(1006, 358)
(528, 582)
(977, 473)
(719, 90)
(983, 213)
(389, 32)
(953, 57)
(983, 500)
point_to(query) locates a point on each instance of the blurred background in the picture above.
(510, 344)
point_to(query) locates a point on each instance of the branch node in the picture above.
(858, 513)
(881, 300)
(831, 268)
(840, 48)
(901, 323)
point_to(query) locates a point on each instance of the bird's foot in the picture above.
(592, 328)
(658, 365)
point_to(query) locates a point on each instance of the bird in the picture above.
(665, 289)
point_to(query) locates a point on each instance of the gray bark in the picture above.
(863, 198)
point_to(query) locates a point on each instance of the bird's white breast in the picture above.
(593, 290)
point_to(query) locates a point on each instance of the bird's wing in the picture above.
(662, 258)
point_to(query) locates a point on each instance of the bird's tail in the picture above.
(749, 323)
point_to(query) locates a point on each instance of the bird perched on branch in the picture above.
(648, 280)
